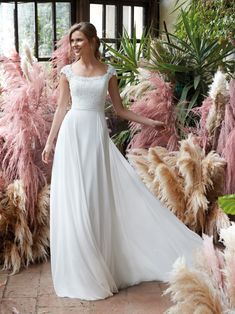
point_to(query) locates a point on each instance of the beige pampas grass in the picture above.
(170, 187)
(213, 174)
(219, 92)
(14, 227)
(137, 91)
(189, 164)
(193, 291)
(41, 232)
(21, 243)
(215, 221)
(188, 182)
(208, 286)
(141, 165)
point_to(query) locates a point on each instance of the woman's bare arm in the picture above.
(125, 113)
(62, 103)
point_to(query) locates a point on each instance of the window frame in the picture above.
(150, 16)
(16, 28)
(80, 11)
(119, 6)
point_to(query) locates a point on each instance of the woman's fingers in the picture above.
(45, 156)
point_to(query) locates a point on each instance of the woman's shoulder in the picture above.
(66, 70)
(111, 69)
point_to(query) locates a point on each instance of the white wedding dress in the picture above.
(107, 230)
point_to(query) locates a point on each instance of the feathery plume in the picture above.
(170, 188)
(189, 164)
(191, 289)
(155, 104)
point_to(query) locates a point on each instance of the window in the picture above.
(111, 19)
(42, 23)
(38, 23)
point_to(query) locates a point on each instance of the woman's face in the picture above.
(80, 44)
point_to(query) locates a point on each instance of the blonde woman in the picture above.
(107, 231)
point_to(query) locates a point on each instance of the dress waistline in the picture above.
(87, 109)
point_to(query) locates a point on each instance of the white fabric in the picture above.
(107, 230)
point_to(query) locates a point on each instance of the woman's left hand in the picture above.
(158, 124)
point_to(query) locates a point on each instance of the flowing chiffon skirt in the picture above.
(107, 230)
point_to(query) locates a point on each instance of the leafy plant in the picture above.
(216, 17)
(127, 57)
(227, 203)
(122, 139)
(190, 63)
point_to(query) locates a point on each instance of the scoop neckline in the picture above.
(89, 77)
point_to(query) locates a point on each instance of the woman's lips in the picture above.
(77, 50)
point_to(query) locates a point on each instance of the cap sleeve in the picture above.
(111, 71)
(66, 71)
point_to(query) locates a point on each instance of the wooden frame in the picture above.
(80, 11)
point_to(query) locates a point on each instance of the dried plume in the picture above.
(24, 128)
(14, 230)
(187, 181)
(192, 291)
(21, 244)
(227, 236)
(213, 174)
(216, 220)
(40, 230)
(61, 56)
(189, 164)
(170, 187)
(156, 104)
(135, 92)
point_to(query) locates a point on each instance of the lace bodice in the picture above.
(88, 93)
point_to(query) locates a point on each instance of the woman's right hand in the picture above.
(46, 153)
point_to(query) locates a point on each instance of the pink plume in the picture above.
(229, 155)
(212, 259)
(229, 119)
(201, 131)
(156, 104)
(61, 56)
(24, 126)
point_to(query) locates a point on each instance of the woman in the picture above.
(107, 230)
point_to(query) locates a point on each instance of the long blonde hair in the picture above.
(89, 30)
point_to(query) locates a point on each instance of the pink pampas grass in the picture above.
(226, 142)
(202, 133)
(155, 104)
(229, 155)
(229, 119)
(24, 126)
(217, 125)
(212, 260)
(208, 286)
(62, 55)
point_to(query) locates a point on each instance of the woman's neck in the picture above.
(87, 60)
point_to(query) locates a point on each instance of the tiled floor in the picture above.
(31, 292)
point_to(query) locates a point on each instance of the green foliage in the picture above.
(190, 63)
(227, 203)
(216, 18)
(126, 58)
(122, 138)
(189, 58)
